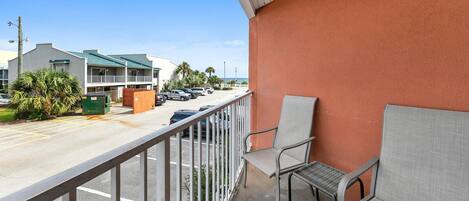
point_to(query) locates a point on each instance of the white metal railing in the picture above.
(225, 127)
(139, 78)
(105, 78)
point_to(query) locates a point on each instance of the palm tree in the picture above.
(210, 70)
(184, 68)
(44, 94)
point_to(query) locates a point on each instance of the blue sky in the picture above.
(201, 32)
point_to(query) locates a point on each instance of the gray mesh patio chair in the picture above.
(424, 157)
(292, 141)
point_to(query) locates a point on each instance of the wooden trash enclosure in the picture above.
(141, 100)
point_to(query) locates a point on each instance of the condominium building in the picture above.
(96, 72)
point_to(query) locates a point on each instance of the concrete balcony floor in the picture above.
(260, 188)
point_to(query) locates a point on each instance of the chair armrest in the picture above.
(256, 133)
(350, 177)
(279, 152)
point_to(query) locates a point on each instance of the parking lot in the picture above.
(33, 151)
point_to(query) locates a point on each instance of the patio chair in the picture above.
(292, 141)
(424, 157)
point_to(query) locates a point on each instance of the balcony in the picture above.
(139, 79)
(106, 78)
(221, 151)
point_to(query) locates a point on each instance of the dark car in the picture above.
(193, 94)
(182, 114)
(160, 99)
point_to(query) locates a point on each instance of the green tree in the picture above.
(173, 85)
(210, 70)
(184, 68)
(214, 80)
(45, 94)
(232, 82)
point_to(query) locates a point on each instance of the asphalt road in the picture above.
(30, 152)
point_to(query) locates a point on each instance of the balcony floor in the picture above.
(259, 188)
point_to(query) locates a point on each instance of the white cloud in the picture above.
(234, 43)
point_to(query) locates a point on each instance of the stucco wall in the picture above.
(39, 58)
(357, 56)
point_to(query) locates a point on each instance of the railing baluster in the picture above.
(116, 183)
(163, 170)
(70, 196)
(199, 161)
(225, 148)
(214, 158)
(218, 156)
(178, 167)
(223, 158)
(143, 176)
(191, 177)
(231, 145)
(207, 158)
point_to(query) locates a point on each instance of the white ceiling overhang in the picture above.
(250, 6)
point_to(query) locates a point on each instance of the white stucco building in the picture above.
(96, 72)
(167, 69)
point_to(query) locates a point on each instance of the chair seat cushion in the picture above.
(264, 160)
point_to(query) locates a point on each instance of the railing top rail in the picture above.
(61, 183)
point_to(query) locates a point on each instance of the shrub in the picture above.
(45, 94)
(204, 185)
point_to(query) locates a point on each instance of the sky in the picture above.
(202, 32)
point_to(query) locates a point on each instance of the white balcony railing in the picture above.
(105, 78)
(226, 124)
(139, 78)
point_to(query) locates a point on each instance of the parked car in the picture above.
(160, 99)
(176, 95)
(182, 114)
(209, 90)
(193, 94)
(201, 90)
(4, 99)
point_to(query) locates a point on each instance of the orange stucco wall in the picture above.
(357, 56)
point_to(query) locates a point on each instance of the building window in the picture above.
(155, 73)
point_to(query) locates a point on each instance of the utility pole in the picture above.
(20, 44)
(224, 73)
(236, 76)
(20, 47)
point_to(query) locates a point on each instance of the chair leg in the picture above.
(317, 194)
(277, 188)
(312, 190)
(245, 173)
(289, 186)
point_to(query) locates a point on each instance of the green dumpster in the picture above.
(95, 104)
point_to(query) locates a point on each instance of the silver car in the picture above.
(4, 99)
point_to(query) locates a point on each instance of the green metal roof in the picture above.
(96, 59)
(137, 61)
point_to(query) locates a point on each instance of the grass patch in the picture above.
(7, 114)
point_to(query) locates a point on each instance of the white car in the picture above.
(201, 90)
(209, 90)
(4, 99)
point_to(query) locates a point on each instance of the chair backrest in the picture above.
(424, 155)
(295, 125)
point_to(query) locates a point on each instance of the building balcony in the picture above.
(106, 78)
(224, 127)
(139, 78)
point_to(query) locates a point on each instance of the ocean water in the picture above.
(239, 80)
